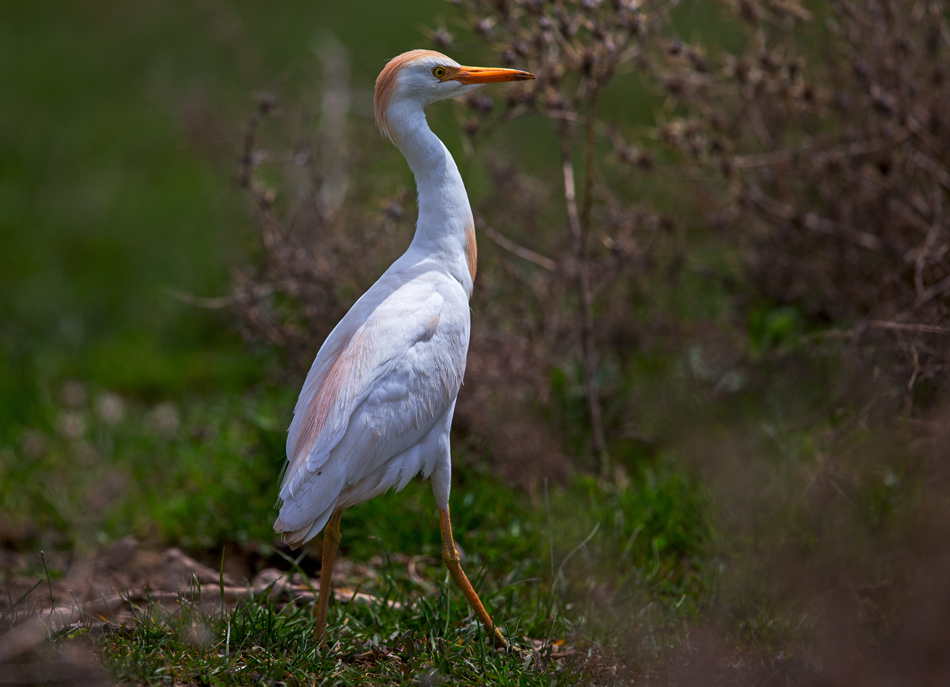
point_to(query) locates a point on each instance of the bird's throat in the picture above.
(445, 228)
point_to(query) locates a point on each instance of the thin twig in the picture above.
(516, 249)
(560, 569)
(63, 616)
(200, 301)
(583, 286)
(909, 327)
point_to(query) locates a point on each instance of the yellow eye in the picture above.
(438, 72)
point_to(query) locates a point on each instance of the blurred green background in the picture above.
(119, 130)
(124, 410)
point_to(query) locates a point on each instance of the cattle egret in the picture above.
(376, 407)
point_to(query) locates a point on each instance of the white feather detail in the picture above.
(378, 387)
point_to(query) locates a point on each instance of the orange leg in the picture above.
(331, 542)
(451, 556)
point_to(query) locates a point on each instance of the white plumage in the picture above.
(386, 379)
(377, 405)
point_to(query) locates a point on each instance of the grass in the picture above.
(578, 562)
(431, 642)
(543, 571)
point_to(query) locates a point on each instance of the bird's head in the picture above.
(420, 77)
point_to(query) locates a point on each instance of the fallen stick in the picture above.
(273, 584)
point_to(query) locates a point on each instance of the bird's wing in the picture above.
(388, 371)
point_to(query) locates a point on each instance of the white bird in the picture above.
(377, 405)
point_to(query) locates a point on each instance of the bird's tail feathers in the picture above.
(296, 537)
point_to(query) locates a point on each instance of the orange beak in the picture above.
(469, 75)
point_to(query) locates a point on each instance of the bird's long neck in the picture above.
(445, 229)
